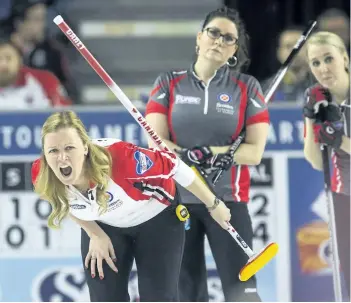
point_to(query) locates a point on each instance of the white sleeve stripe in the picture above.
(160, 189)
(154, 194)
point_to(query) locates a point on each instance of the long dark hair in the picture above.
(242, 53)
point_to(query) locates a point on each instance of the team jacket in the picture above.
(33, 89)
(212, 115)
(140, 187)
(340, 160)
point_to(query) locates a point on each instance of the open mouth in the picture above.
(66, 171)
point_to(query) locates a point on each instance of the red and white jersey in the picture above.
(33, 89)
(140, 187)
(340, 181)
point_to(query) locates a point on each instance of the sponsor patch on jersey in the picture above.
(225, 98)
(110, 196)
(143, 164)
(179, 99)
(113, 205)
(224, 108)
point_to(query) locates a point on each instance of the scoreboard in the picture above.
(23, 218)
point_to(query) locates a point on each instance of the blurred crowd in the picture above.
(34, 72)
(34, 69)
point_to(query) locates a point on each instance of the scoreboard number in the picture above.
(24, 222)
(24, 230)
(261, 205)
(260, 215)
(23, 219)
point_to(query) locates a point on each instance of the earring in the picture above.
(232, 61)
(197, 49)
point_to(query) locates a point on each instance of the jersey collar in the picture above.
(220, 73)
(91, 193)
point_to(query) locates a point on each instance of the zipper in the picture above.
(206, 94)
(206, 100)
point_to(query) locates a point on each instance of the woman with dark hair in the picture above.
(199, 112)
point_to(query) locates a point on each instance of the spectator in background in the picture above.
(336, 21)
(28, 22)
(295, 82)
(22, 87)
(5, 8)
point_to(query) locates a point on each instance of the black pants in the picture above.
(157, 246)
(342, 220)
(228, 255)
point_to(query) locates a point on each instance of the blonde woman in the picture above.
(327, 121)
(124, 198)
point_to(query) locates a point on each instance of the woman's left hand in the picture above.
(331, 134)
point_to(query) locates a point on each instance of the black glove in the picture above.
(222, 161)
(196, 155)
(331, 113)
(317, 98)
(331, 134)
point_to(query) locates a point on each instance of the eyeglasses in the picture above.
(215, 33)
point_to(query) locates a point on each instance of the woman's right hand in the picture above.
(100, 248)
(221, 214)
(317, 99)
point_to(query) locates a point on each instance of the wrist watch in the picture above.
(215, 204)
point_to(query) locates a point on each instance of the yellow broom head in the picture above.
(258, 261)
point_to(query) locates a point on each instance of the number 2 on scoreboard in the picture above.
(260, 216)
